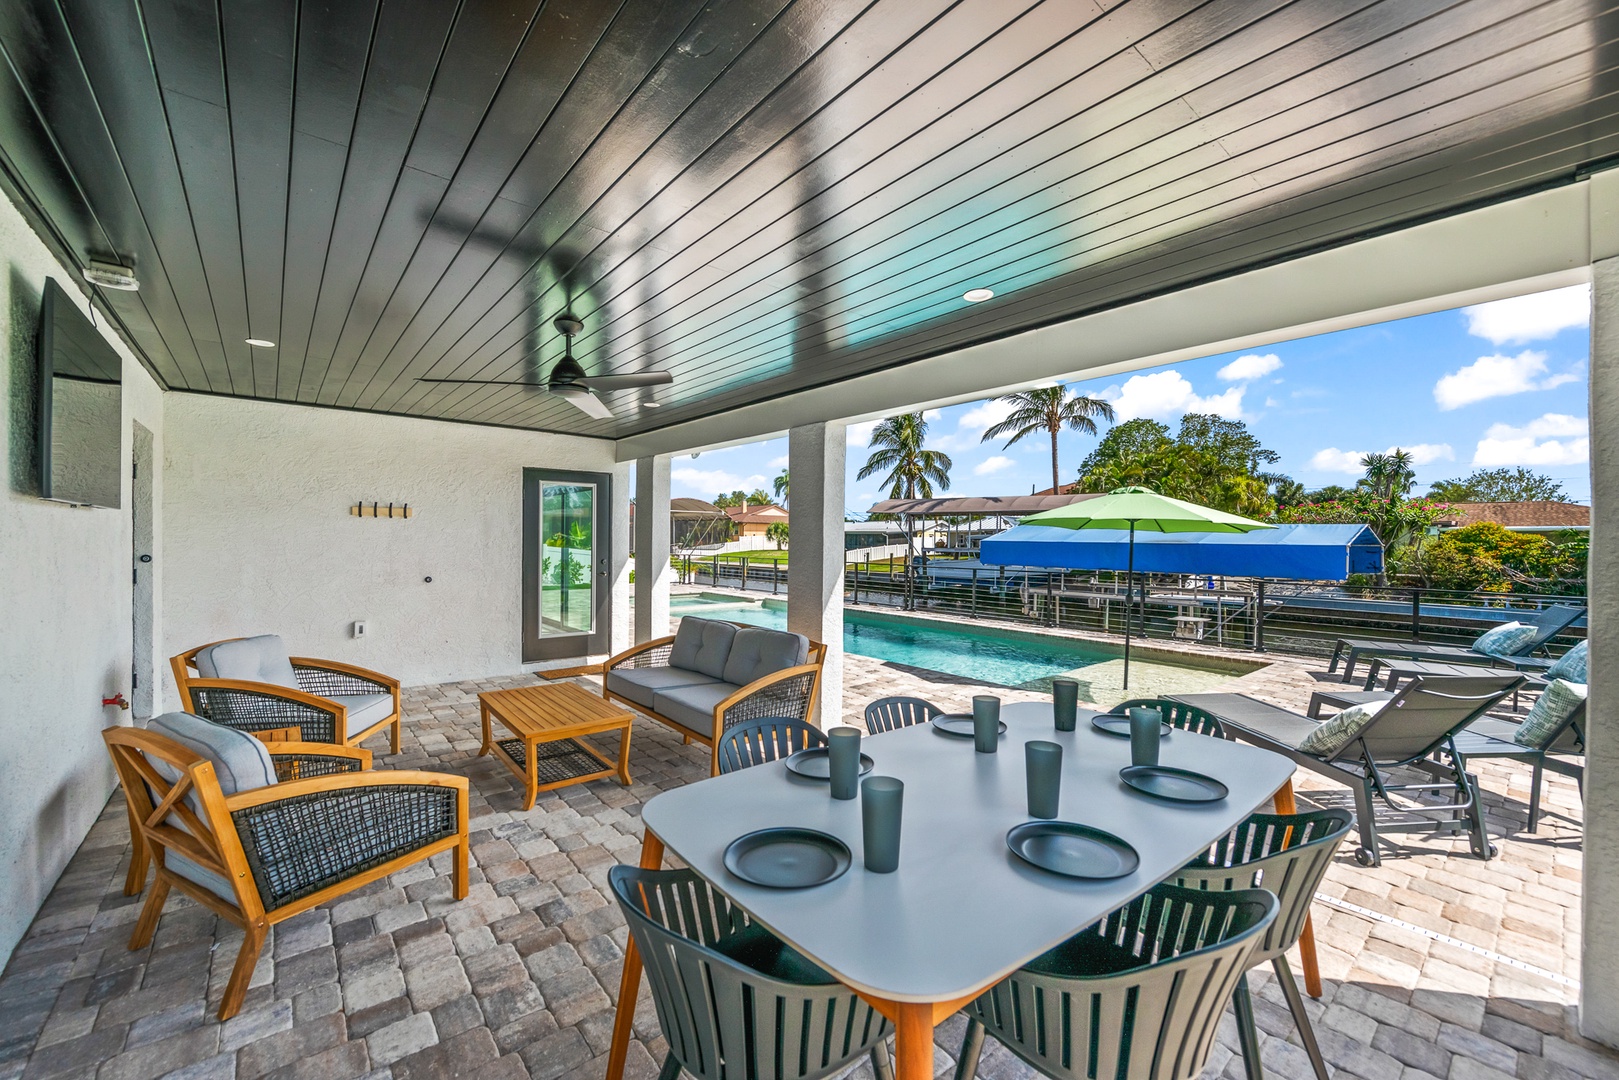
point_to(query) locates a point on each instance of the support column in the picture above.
(652, 571)
(1599, 949)
(815, 458)
(618, 631)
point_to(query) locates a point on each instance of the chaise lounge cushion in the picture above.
(364, 710)
(756, 653)
(640, 684)
(692, 707)
(702, 645)
(254, 659)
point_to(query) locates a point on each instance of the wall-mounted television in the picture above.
(81, 407)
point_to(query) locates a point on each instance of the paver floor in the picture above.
(1436, 964)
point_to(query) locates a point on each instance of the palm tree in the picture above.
(1388, 476)
(1049, 409)
(780, 484)
(912, 469)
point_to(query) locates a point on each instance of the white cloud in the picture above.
(992, 465)
(715, 481)
(1272, 403)
(860, 434)
(1252, 366)
(1496, 376)
(1166, 394)
(1426, 453)
(1334, 460)
(779, 463)
(1535, 317)
(971, 425)
(1553, 439)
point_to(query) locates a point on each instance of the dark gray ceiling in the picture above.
(759, 195)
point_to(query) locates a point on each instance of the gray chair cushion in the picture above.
(702, 645)
(640, 684)
(209, 880)
(241, 762)
(692, 707)
(254, 659)
(364, 710)
(757, 652)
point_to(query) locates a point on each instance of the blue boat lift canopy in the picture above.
(1297, 552)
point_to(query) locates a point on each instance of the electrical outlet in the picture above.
(359, 628)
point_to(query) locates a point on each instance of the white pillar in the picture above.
(815, 456)
(618, 631)
(1599, 949)
(652, 572)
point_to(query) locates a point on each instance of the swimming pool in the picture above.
(1024, 661)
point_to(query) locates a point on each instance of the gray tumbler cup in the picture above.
(882, 800)
(1065, 703)
(1146, 727)
(1043, 761)
(986, 723)
(843, 759)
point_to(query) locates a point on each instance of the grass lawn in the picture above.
(754, 557)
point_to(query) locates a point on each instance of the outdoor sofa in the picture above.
(713, 675)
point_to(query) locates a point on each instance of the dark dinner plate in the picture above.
(787, 858)
(814, 763)
(960, 725)
(1176, 785)
(1114, 724)
(1072, 850)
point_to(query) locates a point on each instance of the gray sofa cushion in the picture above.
(692, 707)
(757, 652)
(254, 659)
(640, 684)
(364, 710)
(702, 645)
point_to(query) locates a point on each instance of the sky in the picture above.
(1498, 384)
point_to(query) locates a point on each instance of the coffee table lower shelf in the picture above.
(557, 763)
(544, 749)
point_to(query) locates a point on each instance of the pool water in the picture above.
(1024, 662)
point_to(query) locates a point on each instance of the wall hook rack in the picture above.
(381, 510)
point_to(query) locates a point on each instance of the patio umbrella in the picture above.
(1143, 508)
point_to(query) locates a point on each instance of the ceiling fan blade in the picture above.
(486, 382)
(586, 403)
(628, 382)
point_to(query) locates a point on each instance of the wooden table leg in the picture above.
(483, 711)
(913, 1041)
(1285, 804)
(629, 984)
(531, 773)
(624, 757)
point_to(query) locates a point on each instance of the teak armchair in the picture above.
(251, 684)
(269, 848)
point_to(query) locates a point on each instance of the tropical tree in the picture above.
(1286, 491)
(912, 469)
(1388, 476)
(1213, 462)
(1501, 485)
(1049, 409)
(777, 531)
(780, 484)
(1330, 493)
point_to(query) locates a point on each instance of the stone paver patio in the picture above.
(1436, 964)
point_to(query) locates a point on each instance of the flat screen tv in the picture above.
(81, 407)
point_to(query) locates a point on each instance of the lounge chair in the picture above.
(1548, 624)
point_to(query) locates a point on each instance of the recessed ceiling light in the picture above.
(977, 296)
(651, 404)
(260, 343)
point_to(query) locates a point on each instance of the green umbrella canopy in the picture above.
(1147, 510)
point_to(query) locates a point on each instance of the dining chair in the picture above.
(1287, 854)
(1177, 714)
(1137, 996)
(734, 1001)
(892, 713)
(759, 741)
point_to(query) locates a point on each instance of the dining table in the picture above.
(962, 911)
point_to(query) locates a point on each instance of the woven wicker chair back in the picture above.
(1178, 715)
(1426, 712)
(1139, 995)
(1285, 854)
(760, 741)
(892, 713)
(722, 1019)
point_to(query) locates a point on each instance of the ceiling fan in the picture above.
(569, 381)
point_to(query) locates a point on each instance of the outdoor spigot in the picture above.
(117, 699)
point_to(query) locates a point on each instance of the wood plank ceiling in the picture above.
(758, 195)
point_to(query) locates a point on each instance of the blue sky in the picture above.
(1498, 384)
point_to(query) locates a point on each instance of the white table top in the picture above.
(962, 911)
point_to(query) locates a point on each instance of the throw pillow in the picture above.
(1555, 704)
(1570, 666)
(1341, 730)
(1504, 640)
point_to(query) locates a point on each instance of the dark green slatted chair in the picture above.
(1177, 715)
(759, 741)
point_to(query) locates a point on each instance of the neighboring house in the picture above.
(693, 523)
(756, 519)
(1528, 517)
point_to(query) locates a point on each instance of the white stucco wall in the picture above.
(260, 538)
(65, 598)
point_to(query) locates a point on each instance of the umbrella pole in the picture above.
(1129, 600)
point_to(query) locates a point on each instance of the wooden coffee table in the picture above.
(547, 721)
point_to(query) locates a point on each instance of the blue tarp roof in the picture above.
(1300, 552)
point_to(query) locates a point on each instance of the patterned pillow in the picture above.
(1505, 640)
(1571, 666)
(1341, 730)
(1558, 700)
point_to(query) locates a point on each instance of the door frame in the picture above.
(534, 646)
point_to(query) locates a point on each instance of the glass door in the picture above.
(566, 564)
